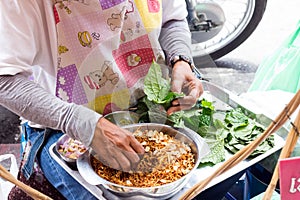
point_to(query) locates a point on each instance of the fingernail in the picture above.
(175, 103)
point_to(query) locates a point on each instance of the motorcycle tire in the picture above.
(240, 37)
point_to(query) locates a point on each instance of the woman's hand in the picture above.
(116, 147)
(183, 80)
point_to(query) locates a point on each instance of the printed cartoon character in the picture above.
(133, 60)
(91, 83)
(124, 35)
(86, 2)
(116, 19)
(153, 6)
(62, 49)
(63, 6)
(80, 1)
(130, 8)
(85, 38)
(99, 78)
(62, 94)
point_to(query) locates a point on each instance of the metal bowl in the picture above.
(197, 144)
(71, 162)
(123, 118)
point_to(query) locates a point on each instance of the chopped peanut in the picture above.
(166, 160)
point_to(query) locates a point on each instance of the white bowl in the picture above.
(70, 161)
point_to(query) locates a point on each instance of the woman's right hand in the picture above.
(116, 147)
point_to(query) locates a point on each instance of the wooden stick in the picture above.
(288, 148)
(29, 190)
(246, 151)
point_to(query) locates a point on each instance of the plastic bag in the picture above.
(281, 70)
(6, 186)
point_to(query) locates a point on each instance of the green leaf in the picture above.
(176, 118)
(156, 87)
(236, 118)
(207, 107)
(191, 122)
(156, 112)
(217, 151)
(170, 97)
(232, 130)
(157, 117)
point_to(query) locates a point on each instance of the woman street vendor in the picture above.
(64, 63)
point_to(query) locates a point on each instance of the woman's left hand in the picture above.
(183, 80)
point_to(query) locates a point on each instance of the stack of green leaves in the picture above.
(153, 107)
(242, 130)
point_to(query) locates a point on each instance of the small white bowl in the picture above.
(60, 142)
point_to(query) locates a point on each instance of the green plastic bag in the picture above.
(281, 70)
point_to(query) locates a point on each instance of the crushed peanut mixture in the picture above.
(166, 160)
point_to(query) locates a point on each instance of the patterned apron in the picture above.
(105, 48)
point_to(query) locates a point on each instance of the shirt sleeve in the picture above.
(175, 36)
(23, 36)
(32, 102)
(174, 10)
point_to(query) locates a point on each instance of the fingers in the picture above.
(177, 85)
(112, 163)
(117, 158)
(136, 146)
(122, 159)
(179, 107)
(128, 146)
(132, 161)
(193, 90)
(116, 147)
(105, 157)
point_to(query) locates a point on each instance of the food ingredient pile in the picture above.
(166, 160)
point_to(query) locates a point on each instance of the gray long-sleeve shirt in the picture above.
(24, 48)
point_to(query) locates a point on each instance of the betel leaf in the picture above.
(191, 122)
(176, 119)
(236, 118)
(195, 118)
(221, 129)
(156, 112)
(245, 133)
(215, 142)
(207, 107)
(217, 153)
(157, 89)
(170, 97)
(231, 130)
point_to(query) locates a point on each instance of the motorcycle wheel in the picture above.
(238, 26)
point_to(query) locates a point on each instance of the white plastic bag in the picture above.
(6, 186)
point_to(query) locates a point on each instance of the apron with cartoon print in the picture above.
(105, 48)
